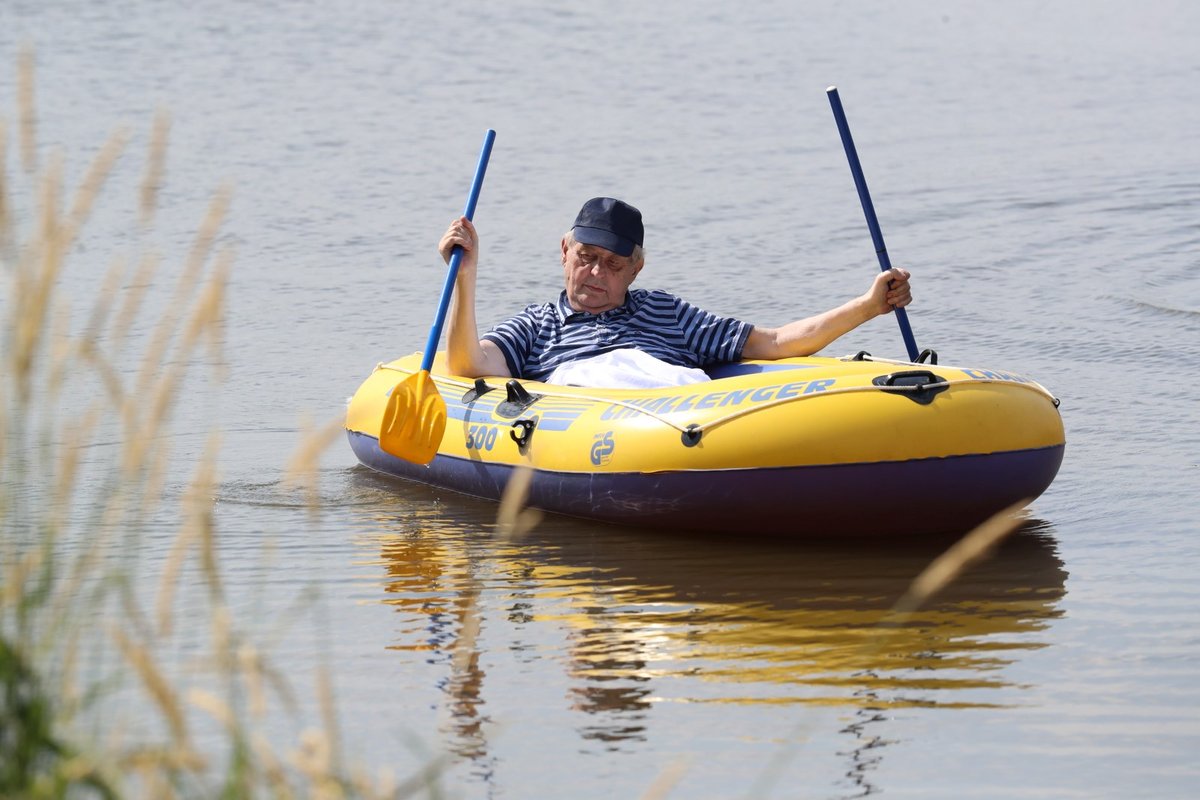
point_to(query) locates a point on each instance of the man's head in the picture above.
(602, 254)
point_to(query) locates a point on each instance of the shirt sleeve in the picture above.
(714, 339)
(515, 337)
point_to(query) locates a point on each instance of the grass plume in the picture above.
(74, 518)
(968, 551)
(155, 167)
(514, 520)
(27, 121)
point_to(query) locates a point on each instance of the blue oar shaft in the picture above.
(864, 196)
(435, 333)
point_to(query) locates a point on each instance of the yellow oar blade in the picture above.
(414, 420)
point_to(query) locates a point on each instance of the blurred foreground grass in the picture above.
(87, 650)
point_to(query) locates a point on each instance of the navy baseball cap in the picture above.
(612, 224)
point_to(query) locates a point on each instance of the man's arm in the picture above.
(806, 336)
(466, 353)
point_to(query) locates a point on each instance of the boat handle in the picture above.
(918, 385)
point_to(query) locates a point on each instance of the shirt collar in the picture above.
(565, 312)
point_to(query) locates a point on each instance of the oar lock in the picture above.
(927, 357)
(521, 431)
(517, 400)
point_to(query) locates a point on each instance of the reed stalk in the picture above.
(73, 519)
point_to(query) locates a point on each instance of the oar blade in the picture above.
(414, 420)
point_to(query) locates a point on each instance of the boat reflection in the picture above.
(634, 618)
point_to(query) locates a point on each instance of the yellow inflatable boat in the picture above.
(803, 447)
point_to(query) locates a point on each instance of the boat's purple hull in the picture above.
(934, 495)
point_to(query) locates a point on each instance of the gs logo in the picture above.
(602, 448)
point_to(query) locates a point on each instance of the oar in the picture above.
(415, 417)
(861, 182)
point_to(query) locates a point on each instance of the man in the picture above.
(598, 318)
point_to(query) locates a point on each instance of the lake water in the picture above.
(1033, 163)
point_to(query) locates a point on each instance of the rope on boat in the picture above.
(697, 429)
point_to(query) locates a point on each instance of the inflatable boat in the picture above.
(804, 447)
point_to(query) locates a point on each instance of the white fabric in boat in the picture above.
(624, 369)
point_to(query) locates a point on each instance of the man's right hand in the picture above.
(462, 233)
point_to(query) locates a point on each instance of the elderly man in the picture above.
(601, 332)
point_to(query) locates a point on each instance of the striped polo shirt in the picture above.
(544, 336)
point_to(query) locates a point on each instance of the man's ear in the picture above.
(565, 248)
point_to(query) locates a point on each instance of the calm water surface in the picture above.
(1033, 163)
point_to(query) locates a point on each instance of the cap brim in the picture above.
(602, 238)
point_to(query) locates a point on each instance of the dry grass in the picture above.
(72, 518)
(514, 520)
(968, 551)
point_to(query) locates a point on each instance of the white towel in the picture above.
(624, 369)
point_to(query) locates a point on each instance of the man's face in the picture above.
(597, 279)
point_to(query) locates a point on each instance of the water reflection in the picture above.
(439, 594)
(632, 618)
